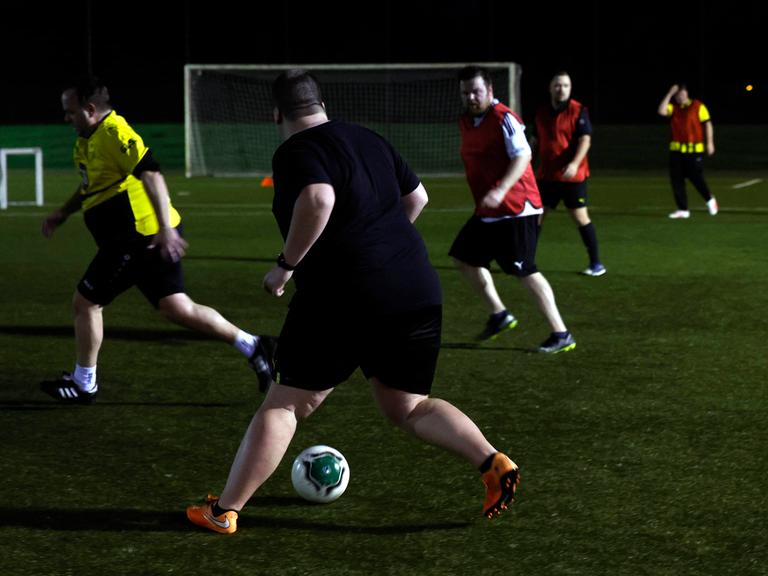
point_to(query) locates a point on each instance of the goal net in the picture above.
(228, 112)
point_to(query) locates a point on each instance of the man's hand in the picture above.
(170, 243)
(569, 172)
(276, 279)
(53, 221)
(493, 198)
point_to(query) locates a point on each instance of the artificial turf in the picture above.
(643, 451)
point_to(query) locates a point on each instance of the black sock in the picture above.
(499, 315)
(561, 334)
(486, 465)
(217, 510)
(589, 237)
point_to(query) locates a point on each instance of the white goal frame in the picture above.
(195, 156)
(37, 152)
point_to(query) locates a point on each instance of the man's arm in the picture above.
(59, 216)
(582, 147)
(414, 202)
(516, 169)
(172, 246)
(519, 153)
(663, 108)
(709, 132)
(311, 213)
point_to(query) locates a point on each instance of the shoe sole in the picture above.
(510, 326)
(594, 274)
(559, 350)
(510, 480)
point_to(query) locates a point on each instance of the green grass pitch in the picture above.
(643, 452)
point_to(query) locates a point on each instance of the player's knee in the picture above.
(305, 410)
(400, 413)
(81, 305)
(301, 409)
(176, 308)
(580, 216)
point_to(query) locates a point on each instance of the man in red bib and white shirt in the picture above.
(504, 226)
(563, 136)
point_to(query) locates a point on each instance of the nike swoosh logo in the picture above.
(219, 523)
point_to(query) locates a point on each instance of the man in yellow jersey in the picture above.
(126, 207)
(692, 136)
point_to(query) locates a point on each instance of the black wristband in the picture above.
(283, 264)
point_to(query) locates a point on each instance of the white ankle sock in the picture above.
(246, 343)
(85, 378)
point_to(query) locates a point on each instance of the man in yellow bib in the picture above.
(126, 207)
(692, 136)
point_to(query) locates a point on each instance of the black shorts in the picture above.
(114, 269)
(511, 242)
(321, 346)
(573, 194)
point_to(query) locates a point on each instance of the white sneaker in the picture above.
(712, 206)
(680, 214)
(596, 270)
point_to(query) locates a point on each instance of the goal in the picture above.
(228, 111)
(37, 152)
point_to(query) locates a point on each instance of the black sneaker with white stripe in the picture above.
(263, 361)
(65, 390)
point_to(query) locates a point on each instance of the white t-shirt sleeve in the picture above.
(514, 137)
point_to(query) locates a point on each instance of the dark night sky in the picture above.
(622, 57)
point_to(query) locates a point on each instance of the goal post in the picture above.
(229, 129)
(38, 154)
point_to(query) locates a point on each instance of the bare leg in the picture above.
(544, 297)
(482, 281)
(182, 310)
(434, 421)
(89, 329)
(580, 216)
(266, 440)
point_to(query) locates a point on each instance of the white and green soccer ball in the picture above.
(320, 474)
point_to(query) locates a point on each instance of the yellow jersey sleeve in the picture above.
(703, 114)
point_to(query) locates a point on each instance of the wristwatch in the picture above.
(281, 262)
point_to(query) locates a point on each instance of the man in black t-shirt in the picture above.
(366, 296)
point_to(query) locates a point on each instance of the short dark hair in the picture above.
(473, 71)
(559, 73)
(90, 89)
(296, 93)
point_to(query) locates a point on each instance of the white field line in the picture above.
(235, 210)
(747, 183)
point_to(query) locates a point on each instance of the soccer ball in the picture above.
(320, 474)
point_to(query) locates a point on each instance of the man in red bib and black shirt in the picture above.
(504, 226)
(692, 136)
(564, 135)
